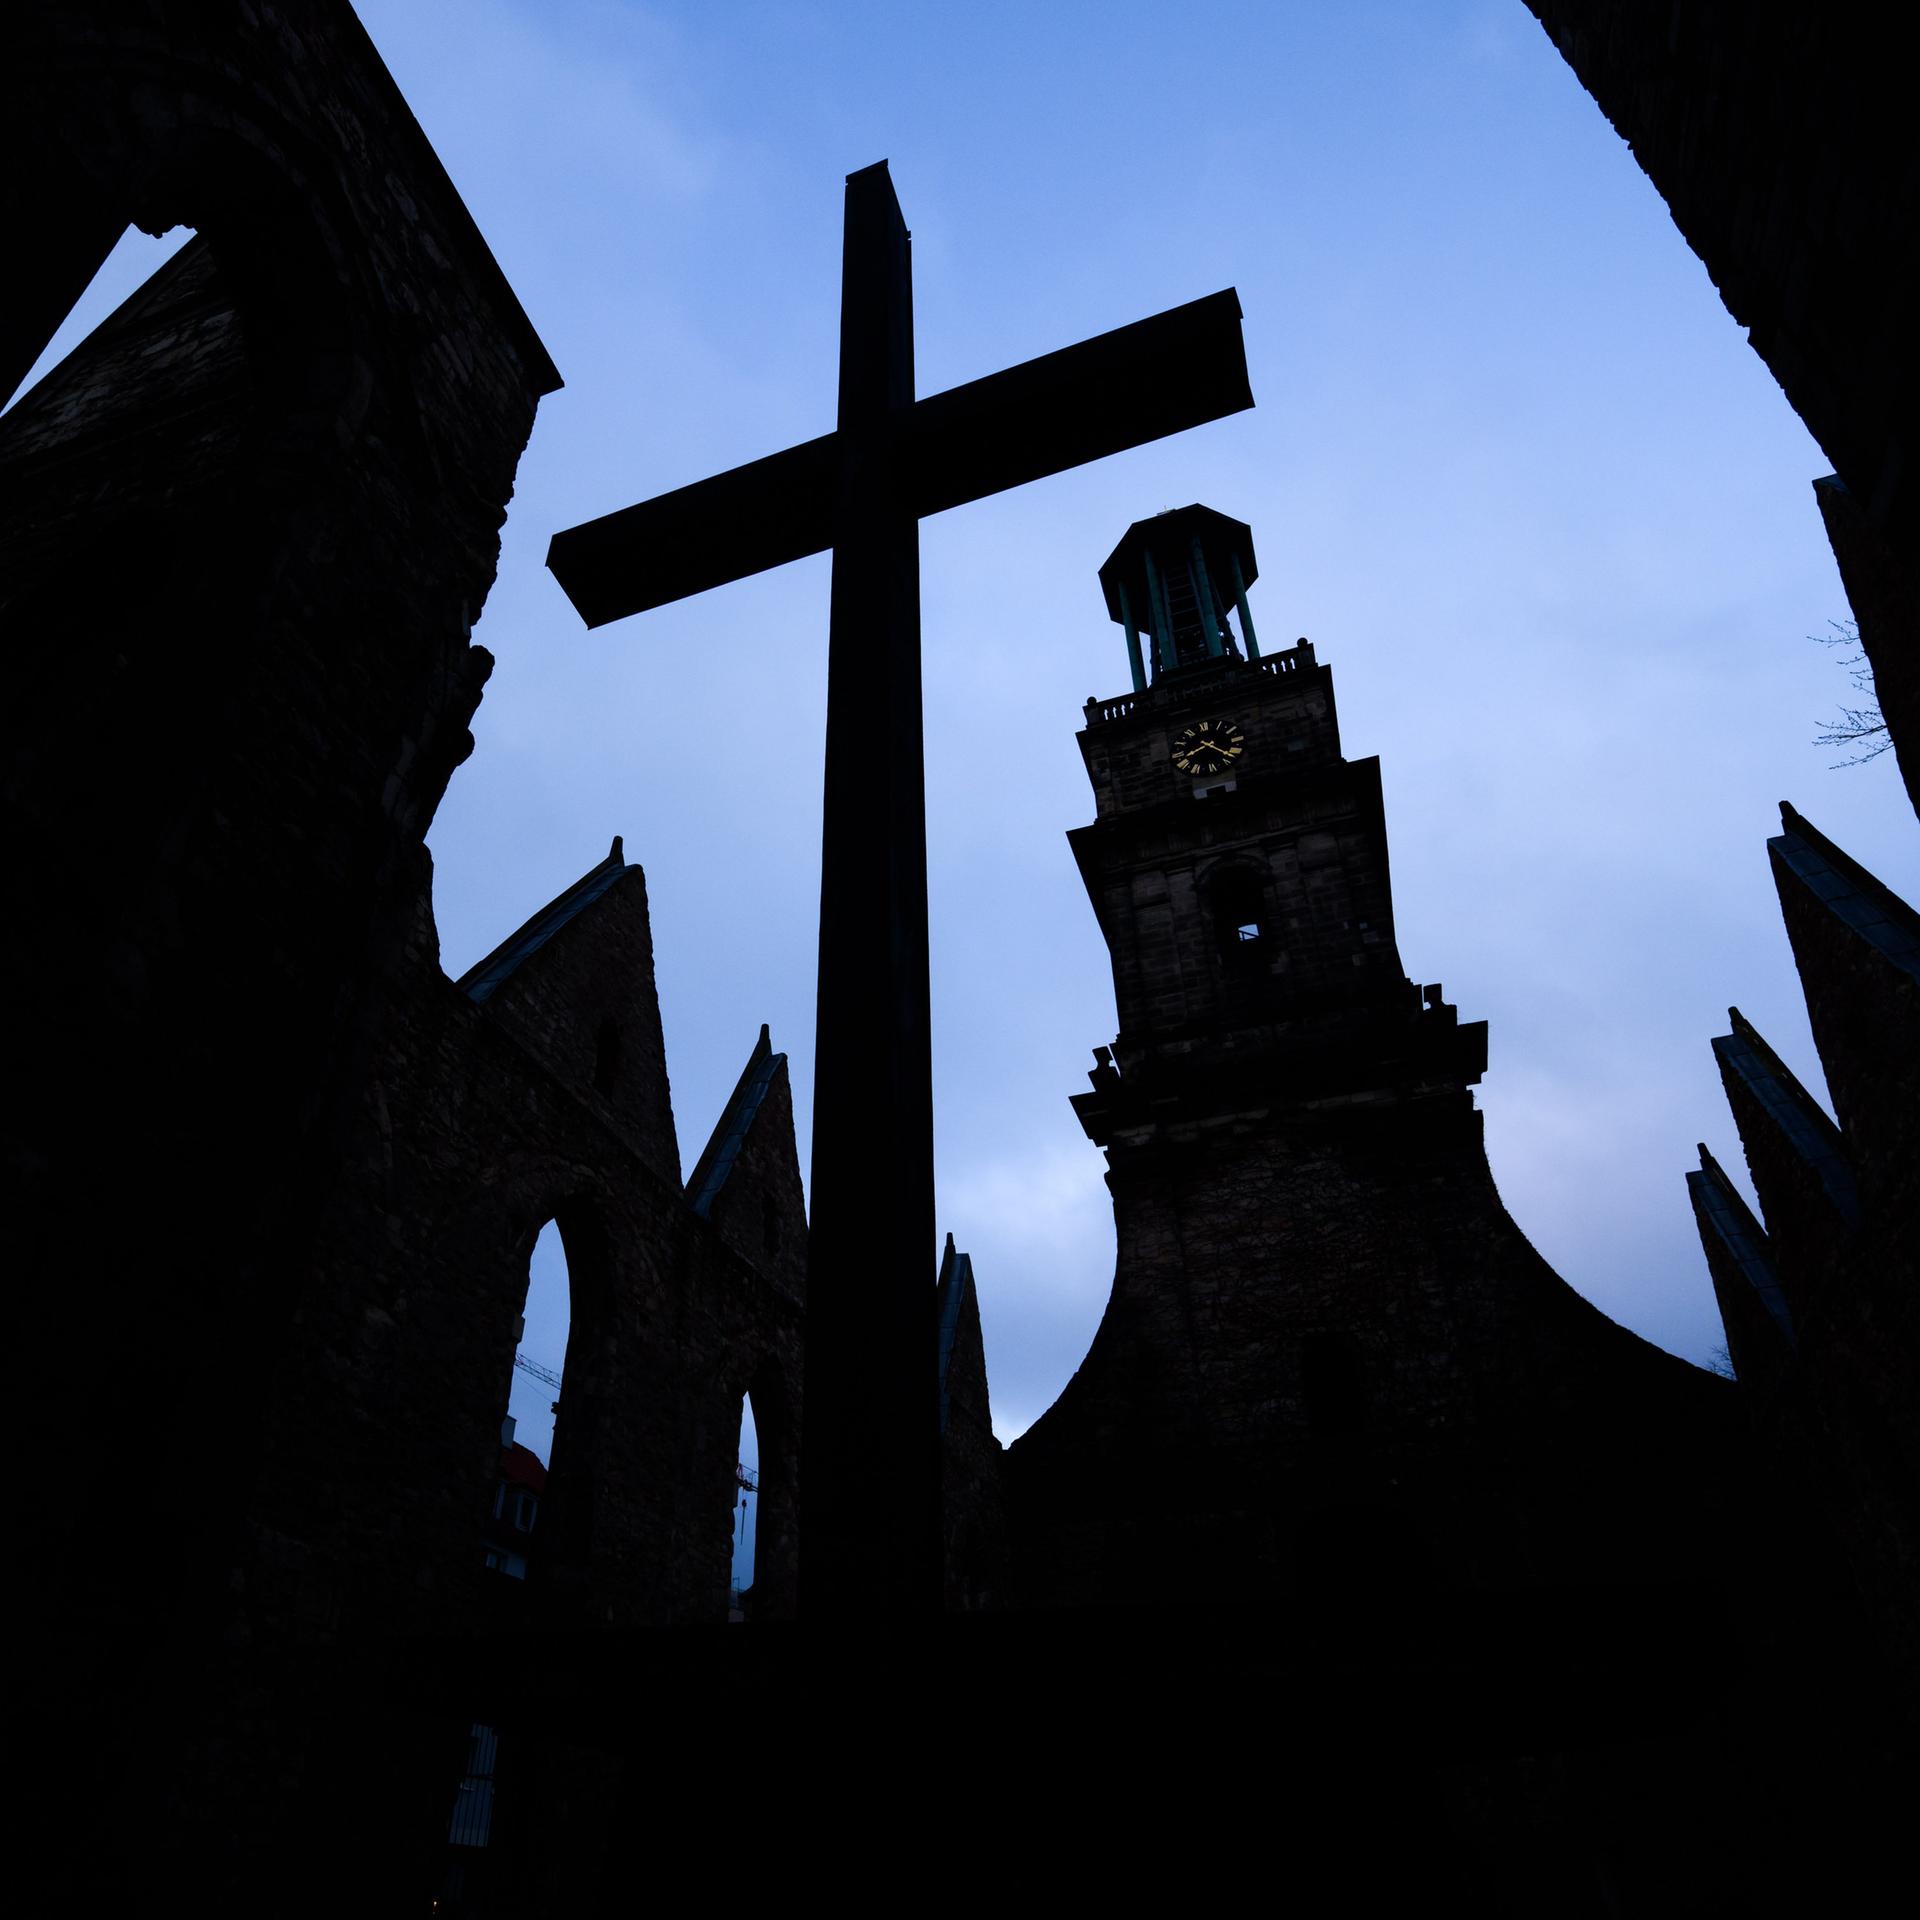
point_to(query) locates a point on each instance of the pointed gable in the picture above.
(747, 1179)
(1857, 945)
(1871, 910)
(480, 981)
(972, 1495)
(962, 1350)
(1753, 1308)
(1795, 1154)
(730, 1132)
(1756, 1076)
(574, 987)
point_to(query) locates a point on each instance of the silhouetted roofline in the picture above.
(730, 1132)
(479, 982)
(1745, 1055)
(1718, 1205)
(1861, 901)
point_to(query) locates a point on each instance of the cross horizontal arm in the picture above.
(737, 523)
(1122, 389)
(1177, 370)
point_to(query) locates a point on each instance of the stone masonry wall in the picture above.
(1331, 1358)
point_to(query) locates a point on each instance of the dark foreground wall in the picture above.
(274, 1178)
(1780, 137)
(1819, 1302)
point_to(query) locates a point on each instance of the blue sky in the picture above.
(1513, 468)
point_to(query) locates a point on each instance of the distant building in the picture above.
(516, 1510)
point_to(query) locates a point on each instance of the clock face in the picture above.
(1209, 746)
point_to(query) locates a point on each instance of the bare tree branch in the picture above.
(1856, 726)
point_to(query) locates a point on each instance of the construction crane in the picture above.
(743, 1476)
(545, 1375)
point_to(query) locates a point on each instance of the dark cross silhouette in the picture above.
(870, 1475)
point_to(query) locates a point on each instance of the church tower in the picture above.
(1331, 1360)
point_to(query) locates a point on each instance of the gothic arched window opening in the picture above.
(746, 1513)
(534, 1386)
(540, 1356)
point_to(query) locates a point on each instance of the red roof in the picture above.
(522, 1467)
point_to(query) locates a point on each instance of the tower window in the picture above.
(1239, 917)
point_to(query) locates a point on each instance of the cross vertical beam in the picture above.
(870, 1476)
(870, 1438)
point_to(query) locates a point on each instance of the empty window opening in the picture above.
(539, 1363)
(1239, 918)
(606, 1056)
(512, 1543)
(746, 1512)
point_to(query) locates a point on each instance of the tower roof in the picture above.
(1222, 541)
